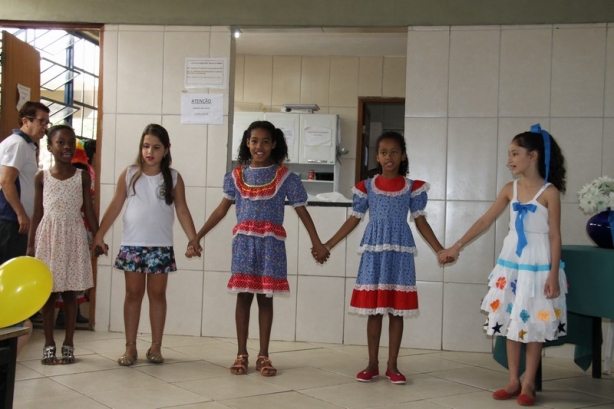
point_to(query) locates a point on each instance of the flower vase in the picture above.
(600, 228)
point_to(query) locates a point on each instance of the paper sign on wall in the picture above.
(24, 95)
(318, 136)
(198, 109)
(206, 73)
(288, 134)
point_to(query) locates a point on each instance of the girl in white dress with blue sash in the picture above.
(526, 297)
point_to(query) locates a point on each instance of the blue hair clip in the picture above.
(538, 129)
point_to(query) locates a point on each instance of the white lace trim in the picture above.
(261, 235)
(384, 311)
(359, 193)
(267, 293)
(387, 247)
(386, 287)
(299, 204)
(356, 214)
(422, 189)
(226, 196)
(418, 213)
(378, 191)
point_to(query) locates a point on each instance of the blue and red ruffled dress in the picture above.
(258, 248)
(386, 281)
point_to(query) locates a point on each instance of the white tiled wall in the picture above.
(334, 83)
(468, 91)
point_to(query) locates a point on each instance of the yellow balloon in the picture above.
(25, 286)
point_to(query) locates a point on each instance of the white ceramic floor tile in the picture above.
(288, 400)
(308, 378)
(230, 387)
(78, 402)
(184, 371)
(114, 380)
(310, 375)
(149, 397)
(362, 394)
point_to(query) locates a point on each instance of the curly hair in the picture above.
(278, 154)
(400, 139)
(532, 142)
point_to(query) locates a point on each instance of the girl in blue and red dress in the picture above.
(259, 187)
(386, 282)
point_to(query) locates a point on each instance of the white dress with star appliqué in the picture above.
(516, 304)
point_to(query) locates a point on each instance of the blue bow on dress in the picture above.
(522, 210)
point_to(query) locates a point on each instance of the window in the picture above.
(70, 62)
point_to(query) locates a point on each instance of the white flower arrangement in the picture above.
(597, 196)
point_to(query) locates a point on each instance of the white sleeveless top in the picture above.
(148, 220)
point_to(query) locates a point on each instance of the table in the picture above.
(590, 276)
(8, 361)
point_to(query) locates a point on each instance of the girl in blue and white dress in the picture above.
(259, 187)
(386, 281)
(526, 297)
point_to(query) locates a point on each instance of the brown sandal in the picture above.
(240, 365)
(265, 366)
(154, 358)
(127, 359)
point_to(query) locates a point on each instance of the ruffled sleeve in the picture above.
(360, 201)
(229, 189)
(418, 198)
(295, 191)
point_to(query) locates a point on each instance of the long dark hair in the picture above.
(534, 142)
(165, 166)
(278, 154)
(400, 139)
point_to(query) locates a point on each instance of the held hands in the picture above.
(194, 248)
(99, 247)
(448, 255)
(320, 253)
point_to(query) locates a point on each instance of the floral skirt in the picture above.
(148, 260)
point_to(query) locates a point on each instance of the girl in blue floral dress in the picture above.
(259, 187)
(386, 282)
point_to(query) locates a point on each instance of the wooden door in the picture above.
(20, 65)
(363, 136)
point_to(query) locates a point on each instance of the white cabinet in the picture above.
(289, 124)
(312, 144)
(318, 139)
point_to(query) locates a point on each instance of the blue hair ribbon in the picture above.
(522, 210)
(546, 136)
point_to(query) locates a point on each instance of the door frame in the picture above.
(362, 102)
(81, 27)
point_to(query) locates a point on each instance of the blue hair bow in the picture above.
(538, 129)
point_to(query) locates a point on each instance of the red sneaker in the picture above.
(366, 376)
(396, 378)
